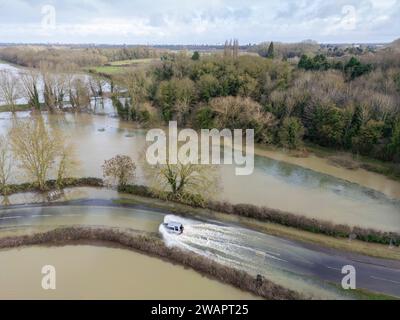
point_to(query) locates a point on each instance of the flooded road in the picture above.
(297, 266)
(289, 263)
(39, 218)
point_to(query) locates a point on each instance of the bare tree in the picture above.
(96, 85)
(79, 94)
(30, 82)
(67, 162)
(119, 170)
(60, 89)
(235, 48)
(9, 88)
(49, 89)
(54, 85)
(36, 148)
(6, 164)
(183, 181)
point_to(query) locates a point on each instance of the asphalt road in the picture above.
(273, 257)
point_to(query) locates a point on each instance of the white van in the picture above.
(174, 227)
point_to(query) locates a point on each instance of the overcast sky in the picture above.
(198, 21)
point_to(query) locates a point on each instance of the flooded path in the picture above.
(291, 264)
(304, 268)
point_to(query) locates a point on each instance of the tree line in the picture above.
(73, 58)
(46, 89)
(354, 107)
(349, 103)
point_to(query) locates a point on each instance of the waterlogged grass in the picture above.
(132, 62)
(362, 294)
(20, 107)
(108, 70)
(388, 169)
(121, 66)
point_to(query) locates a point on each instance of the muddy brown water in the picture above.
(90, 272)
(308, 186)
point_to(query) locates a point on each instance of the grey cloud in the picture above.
(212, 21)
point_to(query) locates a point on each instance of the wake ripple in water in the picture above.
(247, 250)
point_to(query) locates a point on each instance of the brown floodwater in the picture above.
(235, 247)
(307, 186)
(365, 178)
(88, 272)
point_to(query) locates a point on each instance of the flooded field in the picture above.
(300, 188)
(99, 106)
(232, 246)
(87, 272)
(307, 186)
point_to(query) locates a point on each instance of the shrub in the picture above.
(120, 169)
(291, 133)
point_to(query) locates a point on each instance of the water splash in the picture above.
(253, 252)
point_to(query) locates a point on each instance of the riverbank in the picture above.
(153, 246)
(353, 161)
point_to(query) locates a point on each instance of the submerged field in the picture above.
(308, 188)
(122, 66)
(87, 272)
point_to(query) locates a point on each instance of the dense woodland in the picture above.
(349, 102)
(346, 99)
